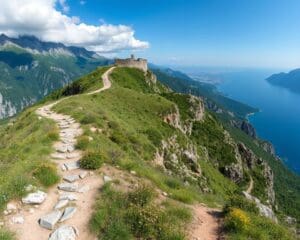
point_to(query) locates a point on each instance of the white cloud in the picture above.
(82, 2)
(41, 19)
(65, 7)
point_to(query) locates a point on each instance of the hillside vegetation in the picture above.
(167, 139)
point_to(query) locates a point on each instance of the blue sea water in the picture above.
(279, 118)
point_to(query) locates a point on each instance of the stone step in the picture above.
(71, 166)
(61, 204)
(71, 178)
(68, 196)
(49, 221)
(68, 187)
(64, 233)
(68, 213)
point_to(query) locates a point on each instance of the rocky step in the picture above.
(61, 204)
(70, 166)
(49, 221)
(68, 213)
(71, 178)
(64, 233)
(68, 196)
(68, 187)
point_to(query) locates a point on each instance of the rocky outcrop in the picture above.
(182, 161)
(251, 161)
(264, 210)
(245, 126)
(197, 110)
(268, 147)
(235, 172)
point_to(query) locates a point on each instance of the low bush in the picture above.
(92, 160)
(141, 196)
(241, 203)
(135, 215)
(46, 174)
(53, 135)
(82, 142)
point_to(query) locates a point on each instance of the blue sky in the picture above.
(230, 33)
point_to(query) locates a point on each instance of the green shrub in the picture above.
(242, 203)
(88, 119)
(47, 175)
(141, 196)
(92, 160)
(117, 230)
(82, 142)
(173, 183)
(118, 137)
(143, 220)
(183, 195)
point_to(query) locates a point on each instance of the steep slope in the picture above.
(30, 69)
(290, 81)
(151, 138)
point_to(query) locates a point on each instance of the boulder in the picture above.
(50, 220)
(71, 178)
(35, 198)
(68, 213)
(68, 187)
(61, 204)
(64, 233)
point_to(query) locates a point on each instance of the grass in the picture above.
(5, 235)
(25, 148)
(130, 116)
(136, 215)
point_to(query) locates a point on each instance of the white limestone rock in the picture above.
(50, 219)
(68, 187)
(68, 213)
(71, 178)
(64, 233)
(61, 204)
(35, 198)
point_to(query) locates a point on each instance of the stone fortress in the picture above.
(132, 62)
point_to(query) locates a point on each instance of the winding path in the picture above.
(250, 187)
(85, 185)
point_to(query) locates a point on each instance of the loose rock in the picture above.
(18, 220)
(68, 196)
(35, 198)
(107, 179)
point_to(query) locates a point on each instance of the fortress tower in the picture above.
(132, 62)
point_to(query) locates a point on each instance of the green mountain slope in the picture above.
(31, 69)
(167, 139)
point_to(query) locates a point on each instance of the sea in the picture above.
(278, 119)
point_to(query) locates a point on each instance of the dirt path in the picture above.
(25, 221)
(250, 187)
(206, 223)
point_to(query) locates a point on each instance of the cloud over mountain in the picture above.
(42, 19)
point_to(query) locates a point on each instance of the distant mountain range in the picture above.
(289, 80)
(31, 69)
